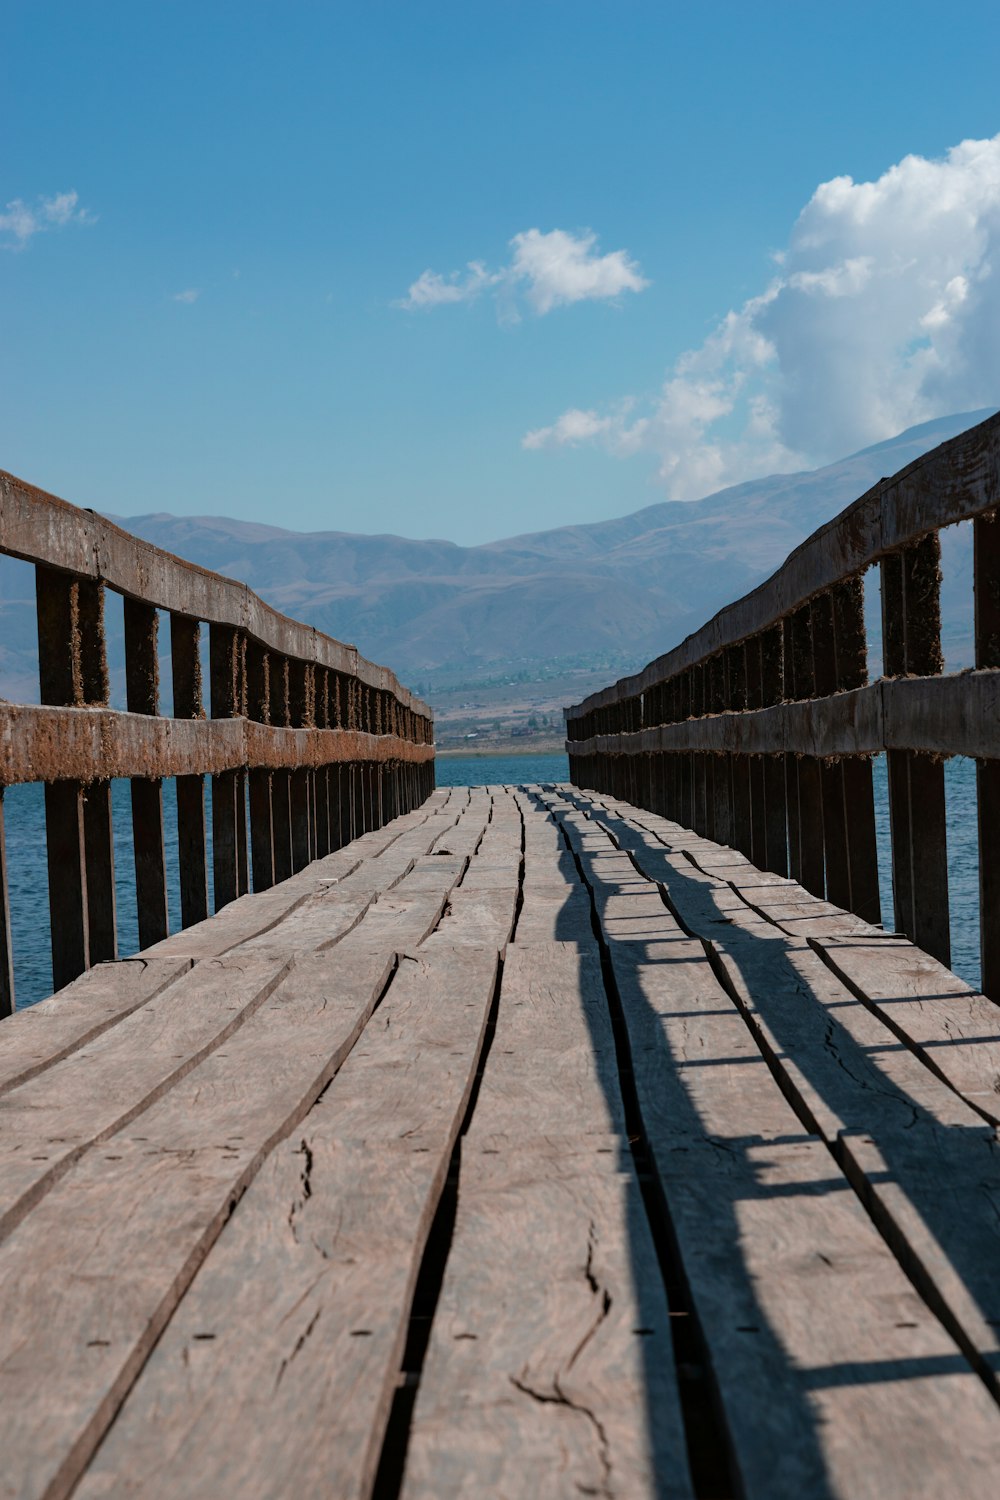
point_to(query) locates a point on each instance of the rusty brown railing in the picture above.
(758, 730)
(327, 744)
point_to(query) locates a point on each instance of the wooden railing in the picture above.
(326, 744)
(758, 730)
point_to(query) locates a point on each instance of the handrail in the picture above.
(758, 728)
(956, 481)
(308, 743)
(41, 528)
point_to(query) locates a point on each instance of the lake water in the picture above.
(25, 829)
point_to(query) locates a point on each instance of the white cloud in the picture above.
(548, 270)
(191, 295)
(20, 221)
(884, 311)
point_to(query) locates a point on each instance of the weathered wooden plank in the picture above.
(257, 914)
(550, 1369)
(43, 1034)
(554, 915)
(552, 1068)
(955, 1031)
(306, 1294)
(476, 918)
(134, 1235)
(852, 1077)
(49, 1121)
(832, 1383)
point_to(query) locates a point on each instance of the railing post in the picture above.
(851, 644)
(321, 776)
(142, 680)
(185, 666)
(824, 664)
(228, 811)
(60, 682)
(6, 953)
(911, 631)
(260, 779)
(98, 834)
(773, 769)
(736, 694)
(810, 798)
(755, 763)
(987, 592)
(791, 760)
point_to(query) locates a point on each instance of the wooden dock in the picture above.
(529, 1145)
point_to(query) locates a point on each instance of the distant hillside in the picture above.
(612, 594)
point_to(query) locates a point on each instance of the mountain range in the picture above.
(610, 594)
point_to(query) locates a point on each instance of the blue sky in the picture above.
(218, 321)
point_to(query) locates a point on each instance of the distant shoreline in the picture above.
(543, 749)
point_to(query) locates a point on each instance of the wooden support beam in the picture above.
(142, 680)
(987, 596)
(99, 857)
(227, 847)
(911, 643)
(69, 918)
(7, 997)
(60, 670)
(185, 660)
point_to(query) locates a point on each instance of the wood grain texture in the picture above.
(33, 1039)
(43, 528)
(957, 480)
(250, 916)
(51, 1120)
(92, 1276)
(550, 1369)
(552, 1068)
(307, 1292)
(854, 1082)
(476, 918)
(835, 1377)
(955, 1031)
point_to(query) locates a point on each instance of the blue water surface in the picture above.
(24, 809)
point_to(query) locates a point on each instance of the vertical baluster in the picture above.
(185, 660)
(228, 849)
(773, 766)
(987, 593)
(831, 779)
(321, 776)
(281, 818)
(851, 646)
(142, 690)
(755, 766)
(98, 836)
(260, 779)
(809, 786)
(739, 768)
(60, 682)
(916, 782)
(922, 595)
(721, 819)
(6, 952)
(298, 681)
(898, 761)
(699, 819)
(791, 761)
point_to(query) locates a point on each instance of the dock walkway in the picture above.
(530, 1145)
